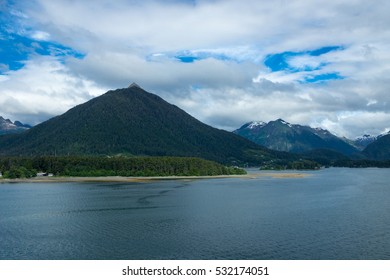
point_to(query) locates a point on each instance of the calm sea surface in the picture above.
(333, 213)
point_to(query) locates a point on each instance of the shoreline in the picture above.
(119, 179)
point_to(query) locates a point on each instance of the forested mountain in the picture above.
(379, 149)
(283, 136)
(131, 121)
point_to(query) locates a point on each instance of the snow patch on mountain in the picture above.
(256, 124)
(285, 123)
(7, 126)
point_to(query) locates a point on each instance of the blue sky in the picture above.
(20, 43)
(225, 62)
(16, 49)
(280, 62)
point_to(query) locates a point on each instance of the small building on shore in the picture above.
(44, 174)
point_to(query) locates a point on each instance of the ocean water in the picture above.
(335, 213)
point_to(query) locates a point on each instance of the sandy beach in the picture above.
(59, 179)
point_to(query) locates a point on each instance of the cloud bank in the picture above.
(320, 63)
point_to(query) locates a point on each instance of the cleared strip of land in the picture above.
(44, 179)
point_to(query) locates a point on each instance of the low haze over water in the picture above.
(334, 213)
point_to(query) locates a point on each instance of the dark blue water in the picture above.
(331, 214)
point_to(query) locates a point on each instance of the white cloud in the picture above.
(162, 74)
(345, 123)
(40, 35)
(303, 62)
(120, 37)
(42, 88)
(3, 67)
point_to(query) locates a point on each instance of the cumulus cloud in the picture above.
(162, 74)
(226, 82)
(43, 88)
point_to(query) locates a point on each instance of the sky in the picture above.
(226, 62)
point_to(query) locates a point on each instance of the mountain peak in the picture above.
(8, 127)
(366, 136)
(134, 85)
(255, 124)
(284, 122)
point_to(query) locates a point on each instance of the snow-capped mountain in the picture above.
(363, 141)
(9, 127)
(283, 136)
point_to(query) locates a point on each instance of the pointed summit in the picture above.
(134, 85)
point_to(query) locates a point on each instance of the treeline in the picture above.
(84, 166)
(362, 163)
(301, 164)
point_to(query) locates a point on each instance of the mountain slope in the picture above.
(379, 149)
(134, 122)
(282, 136)
(9, 127)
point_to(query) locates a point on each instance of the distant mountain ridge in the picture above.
(283, 136)
(132, 121)
(363, 141)
(9, 127)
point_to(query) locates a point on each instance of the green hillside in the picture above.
(133, 122)
(379, 149)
